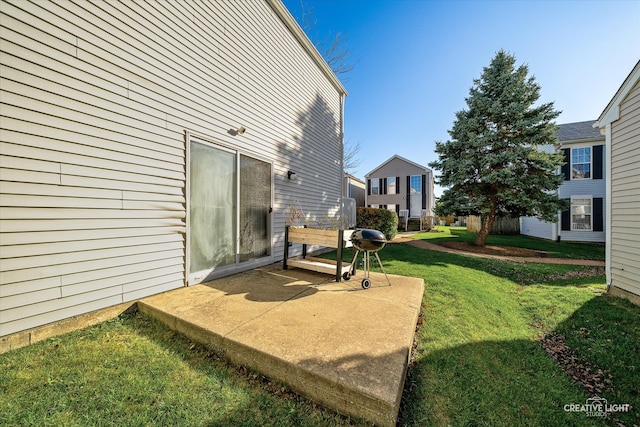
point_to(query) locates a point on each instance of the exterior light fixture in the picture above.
(291, 175)
(240, 130)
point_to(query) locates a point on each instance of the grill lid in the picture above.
(368, 240)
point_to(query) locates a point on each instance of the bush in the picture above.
(378, 219)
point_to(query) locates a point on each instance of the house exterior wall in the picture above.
(532, 226)
(98, 101)
(585, 188)
(625, 195)
(582, 188)
(354, 188)
(399, 168)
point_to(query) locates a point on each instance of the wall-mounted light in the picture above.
(240, 130)
(291, 175)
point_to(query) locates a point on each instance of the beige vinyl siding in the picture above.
(398, 167)
(625, 197)
(95, 101)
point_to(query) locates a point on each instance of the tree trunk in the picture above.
(487, 225)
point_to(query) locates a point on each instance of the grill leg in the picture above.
(382, 267)
(354, 261)
(367, 264)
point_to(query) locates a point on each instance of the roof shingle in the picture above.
(577, 131)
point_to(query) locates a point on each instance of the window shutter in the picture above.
(368, 187)
(409, 193)
(380, 185)
(397, 185)
(566, 168)
(565, 219)
(597, 162)
(384, 185)
(598, 218)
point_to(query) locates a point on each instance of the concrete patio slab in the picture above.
(340, 345)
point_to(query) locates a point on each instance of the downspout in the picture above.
(342, 96)
(342, 213)
(607, 245)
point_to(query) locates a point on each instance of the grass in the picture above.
(562, 249)
(133, 371)
(477, 360)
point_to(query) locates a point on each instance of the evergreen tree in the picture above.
(492, 164)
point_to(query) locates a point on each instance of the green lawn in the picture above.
(477, 361)
(574, 250)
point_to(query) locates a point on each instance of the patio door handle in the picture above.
(270, 209)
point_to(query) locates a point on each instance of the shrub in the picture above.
(378, 219)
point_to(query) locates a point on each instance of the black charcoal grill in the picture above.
(367, 241)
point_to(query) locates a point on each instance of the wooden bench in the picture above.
(329, 238)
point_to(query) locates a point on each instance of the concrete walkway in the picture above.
(340, 345)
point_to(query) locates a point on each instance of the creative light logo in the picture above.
(596, 407)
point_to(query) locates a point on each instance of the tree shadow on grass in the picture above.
(605, 334)
(520, 273)
(515, 382)
(497, 383)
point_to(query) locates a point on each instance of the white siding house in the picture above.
(584, 187)
(620, 123)
(146, 146)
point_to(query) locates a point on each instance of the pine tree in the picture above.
(492, 163)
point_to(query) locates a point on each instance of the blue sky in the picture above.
(416, 61)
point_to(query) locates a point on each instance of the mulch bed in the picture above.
(594, 380)
(494, 250)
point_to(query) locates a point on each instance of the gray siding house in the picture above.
(354, 188)
(147, 146)
(399, 184)
(584, 187)
(620, 123)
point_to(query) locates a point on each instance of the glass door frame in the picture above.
(199, 277)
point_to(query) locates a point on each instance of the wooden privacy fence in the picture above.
(500, 225)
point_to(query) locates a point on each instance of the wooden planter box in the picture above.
(329, 238)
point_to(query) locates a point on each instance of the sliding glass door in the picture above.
(229, 209)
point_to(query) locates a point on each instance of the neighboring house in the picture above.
(620, 123)
(584, 187)
(147, 146)
(400, 184)
(354, 188)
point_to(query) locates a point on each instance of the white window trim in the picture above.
(589, 197)
(420, 182)
(590, 162)
(395, 183)
(375, 184)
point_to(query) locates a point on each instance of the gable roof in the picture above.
(611, 112)
(354, 178)
(395, 156)
(578, 131)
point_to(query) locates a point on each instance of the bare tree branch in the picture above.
(332, 47)
(351, 158)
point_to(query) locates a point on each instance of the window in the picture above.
(581, 214)
(581, 163)
(375, 186)
(391, 207)
(391, 185)
(416, 184)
